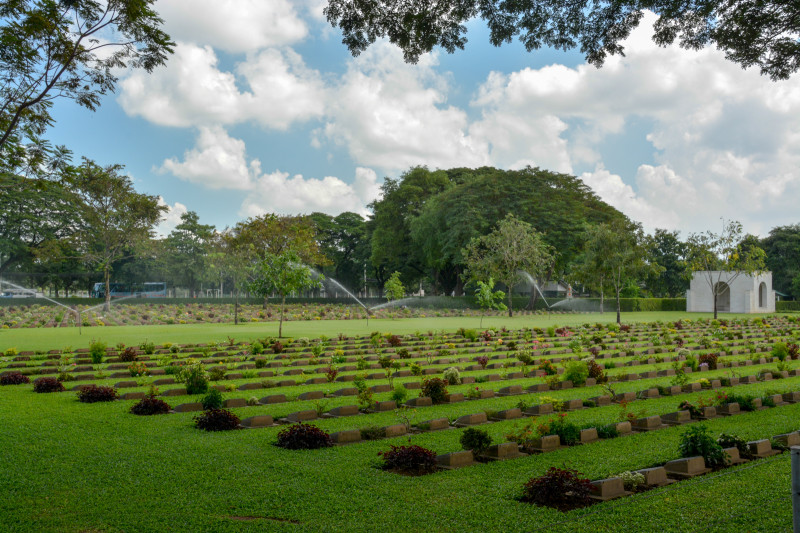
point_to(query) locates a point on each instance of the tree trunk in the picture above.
(280, 324)
(510, 301)
(714, 295)
(107, 278)
(264, 303)
(602, 296)
(618, 309)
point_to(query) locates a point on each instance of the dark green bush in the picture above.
(212, 399)
(435, 389)
(475, 439)
(697, 440)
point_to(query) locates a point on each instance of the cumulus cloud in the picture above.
(171, 218)
(725, 141)
(393, 115)
(191, 90)
(220, 161)
(233, 25)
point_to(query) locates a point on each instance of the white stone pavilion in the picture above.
(740, 293)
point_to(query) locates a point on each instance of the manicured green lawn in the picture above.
(75, 467)
(55, 338)
(72, 467)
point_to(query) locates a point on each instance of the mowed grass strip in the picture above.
(58, 338)
(75, 467)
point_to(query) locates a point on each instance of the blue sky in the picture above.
(262, 109)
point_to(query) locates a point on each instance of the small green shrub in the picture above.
(576, 372)
(780, 350)
(372, 433)
(195, 377)
(212, 399)
(477, 440)
(697, 440)
(216, 373)
(435, 389)
(399, 394)
(97, 351)
(452, 376)
(608, 431)
(727, 440)
(633, 481)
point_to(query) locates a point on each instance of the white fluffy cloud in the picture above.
(393, 115)
(191, 90)
(171, 218)
(725, 140)
(233, 25)
(220, 161)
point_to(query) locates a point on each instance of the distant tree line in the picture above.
(441, 230)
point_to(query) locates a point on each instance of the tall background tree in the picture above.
(761, 33)
(186, 252)
(116, 220)
(69, 49)
(512, 248)
(665, 249)
(721, 258)
(782, 247)
(615, 254)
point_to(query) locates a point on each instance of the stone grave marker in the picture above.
(762, 448)
(347, 436)
(311, 395)
(450, 461)
(470, 420)
(608, 489)
(422, 401)
(187, 407)
(258, 421)
(273, 398)
(508, 414)
(343, 410)
(686, 468)
(502, 452)
(302, 416)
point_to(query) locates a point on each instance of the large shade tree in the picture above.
(116, 220)
(760, 33)
(782, 247)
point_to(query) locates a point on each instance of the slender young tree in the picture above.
(282, 274)
(615, 254)
(393, 288)
(511, 248)
(721, 258)
(488, 298)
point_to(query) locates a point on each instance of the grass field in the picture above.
(57, 338)
(73, 467)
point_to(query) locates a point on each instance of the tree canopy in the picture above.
(69, 49)
(750, 32)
